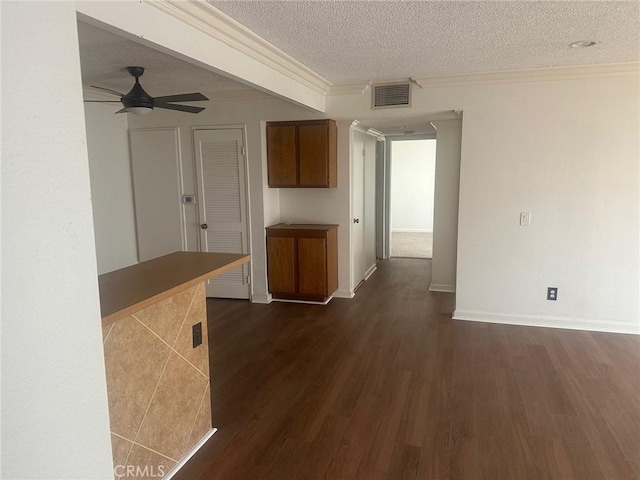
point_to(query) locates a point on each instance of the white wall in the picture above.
(569, 154)
(566, 150)
(412, 185)
(265, 203)
(111, 190)
(55, 421)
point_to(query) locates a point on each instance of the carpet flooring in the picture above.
(412, 244)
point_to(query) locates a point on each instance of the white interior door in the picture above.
(357, 221)
(222, 204)
(155, 165)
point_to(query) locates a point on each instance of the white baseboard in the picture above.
(546, 321)
(372, 269)
(191, 453)
(341, 293)
(442, 287)
(261, 298)
(308, 302)
(411, 230)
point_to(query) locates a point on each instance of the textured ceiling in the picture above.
(105, 56)
(351, 41)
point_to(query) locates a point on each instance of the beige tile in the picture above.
(121, 449)
(134, 359)
(199, 356)
(173, 410)
(143, 464)
(202, 424)
(105, 331)
(165, 318)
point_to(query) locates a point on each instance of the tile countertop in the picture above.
(124, 291)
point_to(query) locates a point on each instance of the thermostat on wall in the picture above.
(189, 199)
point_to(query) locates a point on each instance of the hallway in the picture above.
(384, 387)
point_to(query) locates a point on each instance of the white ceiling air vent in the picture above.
(391, 95)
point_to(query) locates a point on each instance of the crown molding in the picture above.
(211, 21)
(346, 123)
(535, 75)
(349, 88)
(358, 127)
(375, 133)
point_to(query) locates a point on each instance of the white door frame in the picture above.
(245, 160)
(356, 248)
(388, 166)
(381, 195)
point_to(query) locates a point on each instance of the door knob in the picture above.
(204, 226)
(356, 220)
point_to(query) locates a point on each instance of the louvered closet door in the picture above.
(222, 204)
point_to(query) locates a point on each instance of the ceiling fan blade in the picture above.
(108, 90)
(180, 108)
(122, 110)
(183, 97)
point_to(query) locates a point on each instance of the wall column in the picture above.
(446, 198)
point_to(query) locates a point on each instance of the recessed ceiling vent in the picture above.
(391, 95)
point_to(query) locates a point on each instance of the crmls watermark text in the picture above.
(143, 471)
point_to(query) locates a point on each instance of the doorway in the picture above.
(221, 174)
(412, 188)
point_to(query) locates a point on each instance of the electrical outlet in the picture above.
(197, 334)
(552, 293)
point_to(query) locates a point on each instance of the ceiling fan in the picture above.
(139, 102)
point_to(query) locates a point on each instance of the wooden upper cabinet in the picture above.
(282, 155)
(302, 154)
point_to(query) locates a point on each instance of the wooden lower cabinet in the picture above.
(302, 261)
(281, 257)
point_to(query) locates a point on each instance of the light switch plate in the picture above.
(525, 219)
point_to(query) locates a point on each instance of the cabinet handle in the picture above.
(356, 220)
(204, 226)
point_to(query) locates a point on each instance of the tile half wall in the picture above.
(158, 385)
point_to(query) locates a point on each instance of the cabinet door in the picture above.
(281, 155)
(281, 264)
(313, 144)
(312, 266)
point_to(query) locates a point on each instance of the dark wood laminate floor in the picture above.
(384, 387)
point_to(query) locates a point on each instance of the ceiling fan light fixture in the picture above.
(140, 110)
(139, 102)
